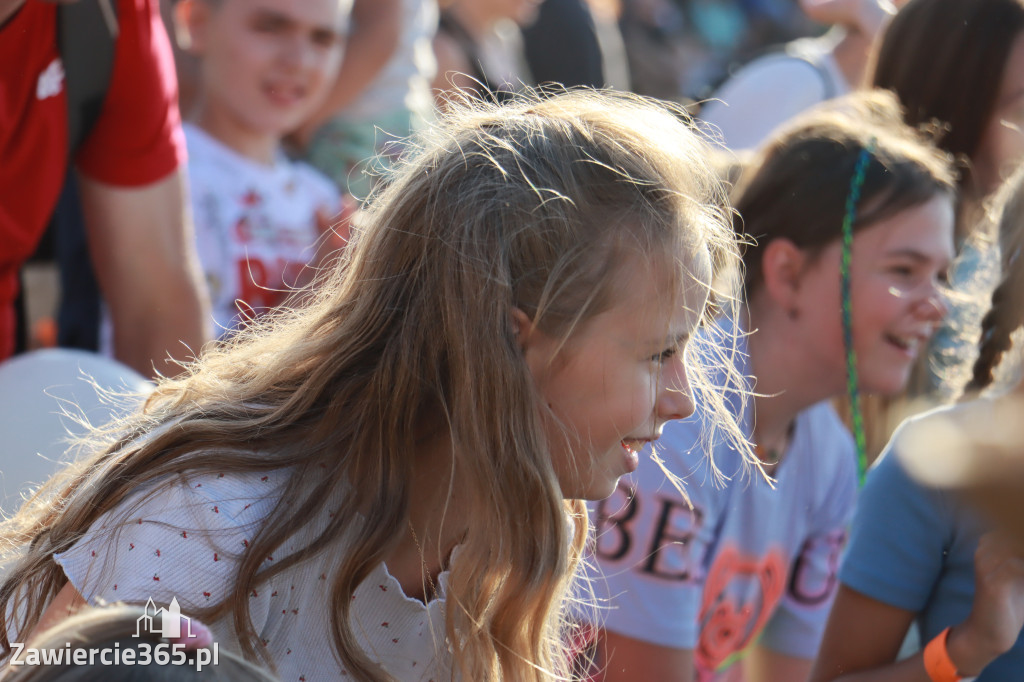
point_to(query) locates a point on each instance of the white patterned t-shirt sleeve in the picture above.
(183, 541)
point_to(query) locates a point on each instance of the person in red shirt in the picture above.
(131, 180)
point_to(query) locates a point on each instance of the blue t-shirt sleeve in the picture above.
(897, 538)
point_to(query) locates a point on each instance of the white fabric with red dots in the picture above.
(185, 542)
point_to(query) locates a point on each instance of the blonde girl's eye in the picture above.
(665, 355)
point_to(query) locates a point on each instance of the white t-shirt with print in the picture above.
(256, 225)
(748, 563)
(185, 542)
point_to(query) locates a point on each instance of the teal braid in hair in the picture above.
(852, 387)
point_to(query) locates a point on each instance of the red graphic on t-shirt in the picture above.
(243, 230)
(265, 284)
(252, 198)
(727, 625)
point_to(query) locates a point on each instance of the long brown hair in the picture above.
(945, 61)
(529, 205)
(796, 188)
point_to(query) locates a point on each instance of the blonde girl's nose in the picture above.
(675, 399)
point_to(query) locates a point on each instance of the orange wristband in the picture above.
(937, 662)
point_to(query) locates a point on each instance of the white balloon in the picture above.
(41, 395)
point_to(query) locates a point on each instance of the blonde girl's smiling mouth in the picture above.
(633, 447)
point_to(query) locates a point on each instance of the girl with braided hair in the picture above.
(1006, 315)
(917, 553)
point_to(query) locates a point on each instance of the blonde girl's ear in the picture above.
(522, 328)
(191, 18)
(538, 348)
(782, 267)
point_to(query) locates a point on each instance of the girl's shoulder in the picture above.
(963, 445)
(238, 494)
(201, 501)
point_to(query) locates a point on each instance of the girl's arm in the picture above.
(624, 659)
(863, 635)
(765, 665)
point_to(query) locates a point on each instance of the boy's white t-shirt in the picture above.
(186, 542)
(256, 225)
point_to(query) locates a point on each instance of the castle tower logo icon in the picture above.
(166, 622)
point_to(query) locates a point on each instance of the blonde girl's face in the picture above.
(613, 386)
(1002, 144)
(897, 278)
(266, 64)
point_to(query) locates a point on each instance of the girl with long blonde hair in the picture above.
(385, 483)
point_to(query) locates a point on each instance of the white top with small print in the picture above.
(185, 541)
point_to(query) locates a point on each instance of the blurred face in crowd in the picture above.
(1002, 145)
(897, 278)
(266, 64)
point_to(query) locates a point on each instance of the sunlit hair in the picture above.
(1006, 312)
(536, 205)
(797, 185)
(945, 60)
(118, 626)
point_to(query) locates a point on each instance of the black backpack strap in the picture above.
(86, 34)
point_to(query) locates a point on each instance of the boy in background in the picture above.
(261, 219)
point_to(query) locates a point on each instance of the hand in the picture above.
(869, 17)
(997, 614)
